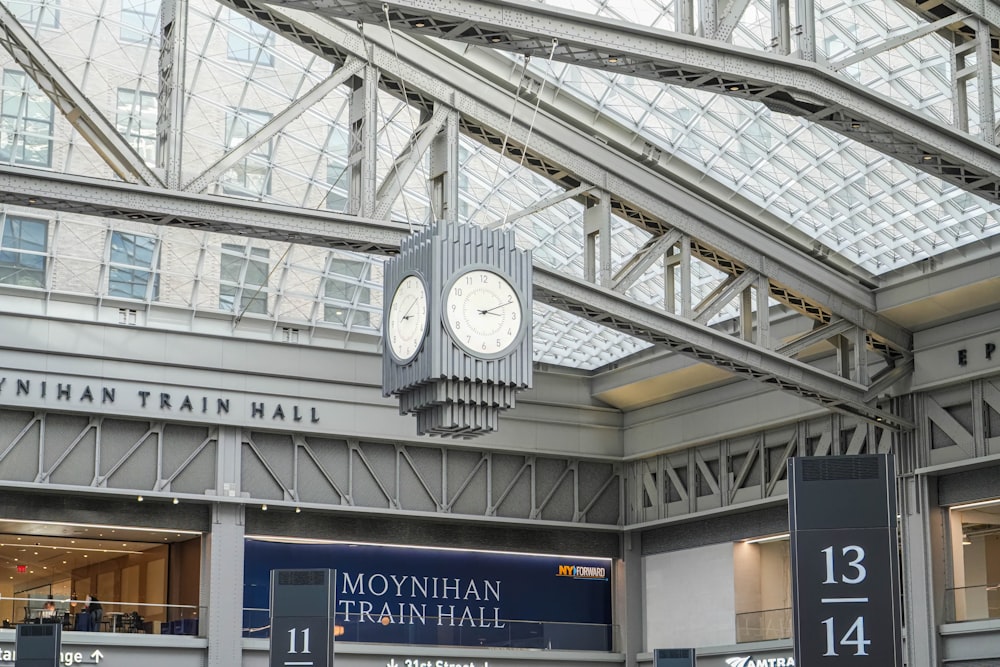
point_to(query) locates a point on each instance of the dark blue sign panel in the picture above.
(845, 561)
(446, 597)
(302, 629)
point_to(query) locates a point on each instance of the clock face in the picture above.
(483, 314)
(406, 322)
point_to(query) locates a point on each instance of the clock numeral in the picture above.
(483, 278)
(458, 291)
(457, 325)
(513, 316)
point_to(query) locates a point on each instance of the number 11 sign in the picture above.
(302, 613)
(845, 561)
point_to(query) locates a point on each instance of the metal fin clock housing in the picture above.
(476, 352)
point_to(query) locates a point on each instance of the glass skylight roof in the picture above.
(878, 213)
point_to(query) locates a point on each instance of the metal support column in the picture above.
(763, 313)
(628, 597)
(922, 532)
(597, 237)
(222, 558)
(222, 585)
(984, 65)
(781, 21)
(806, 29)
(709, 18)
(444, 170)
(684, 16)
(170, 99)
(362, 155)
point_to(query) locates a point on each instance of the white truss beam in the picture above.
(72, 103)
(729, 238)
(702, 343)
(794, 86)
(88, 196)
(407, 162)
(273, 126)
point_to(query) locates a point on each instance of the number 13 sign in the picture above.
(845, 561)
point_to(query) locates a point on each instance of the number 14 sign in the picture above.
(845, 561)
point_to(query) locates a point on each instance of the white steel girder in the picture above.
(82, 114)
(726, 237)
(793, 86)
(108, 199)
(170, 96)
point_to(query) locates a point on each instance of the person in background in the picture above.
(95, 611)
(48, 612)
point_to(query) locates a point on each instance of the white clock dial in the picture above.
(483, 313)
(406, 323)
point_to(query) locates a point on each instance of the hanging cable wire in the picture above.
(406, 100)
(531, 125)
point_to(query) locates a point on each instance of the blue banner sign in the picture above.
(446, 597)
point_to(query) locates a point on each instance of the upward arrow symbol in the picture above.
(97, 655)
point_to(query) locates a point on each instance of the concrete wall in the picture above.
(690, 599)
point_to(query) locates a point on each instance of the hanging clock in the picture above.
(406, 321)
(483, 312)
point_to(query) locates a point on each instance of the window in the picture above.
(975, 556)
(140, 19)
(26, 119)
(251, 177)
(132, 264)
(22, 251)
(44, 13)
(249, 42)
(136, 121)
(243, 279)
(344, 290)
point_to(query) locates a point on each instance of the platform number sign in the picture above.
(302, 617)
(845, 561)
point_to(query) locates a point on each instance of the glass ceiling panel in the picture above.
(877, 212)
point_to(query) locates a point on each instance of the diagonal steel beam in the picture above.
(644, 257)
(407, 162)
(702, 343)
(728, 235)
(72, 103)
(275, 125)
(796, 87)
(540, 205)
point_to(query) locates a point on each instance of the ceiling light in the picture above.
(419, 24)
(495, 39)
(298, 510)
(612, 60)
(176, 501)
(979, 503)
(769, 538)
(263, 507)
(965, 540)
(140, 499)
(734, 88)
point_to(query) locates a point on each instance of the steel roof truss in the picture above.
(81, 113)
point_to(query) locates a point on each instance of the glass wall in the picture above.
(763, 587)
(143, 580)
(975, 552)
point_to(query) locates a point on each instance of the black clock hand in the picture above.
(407, 315)
(488, 310)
